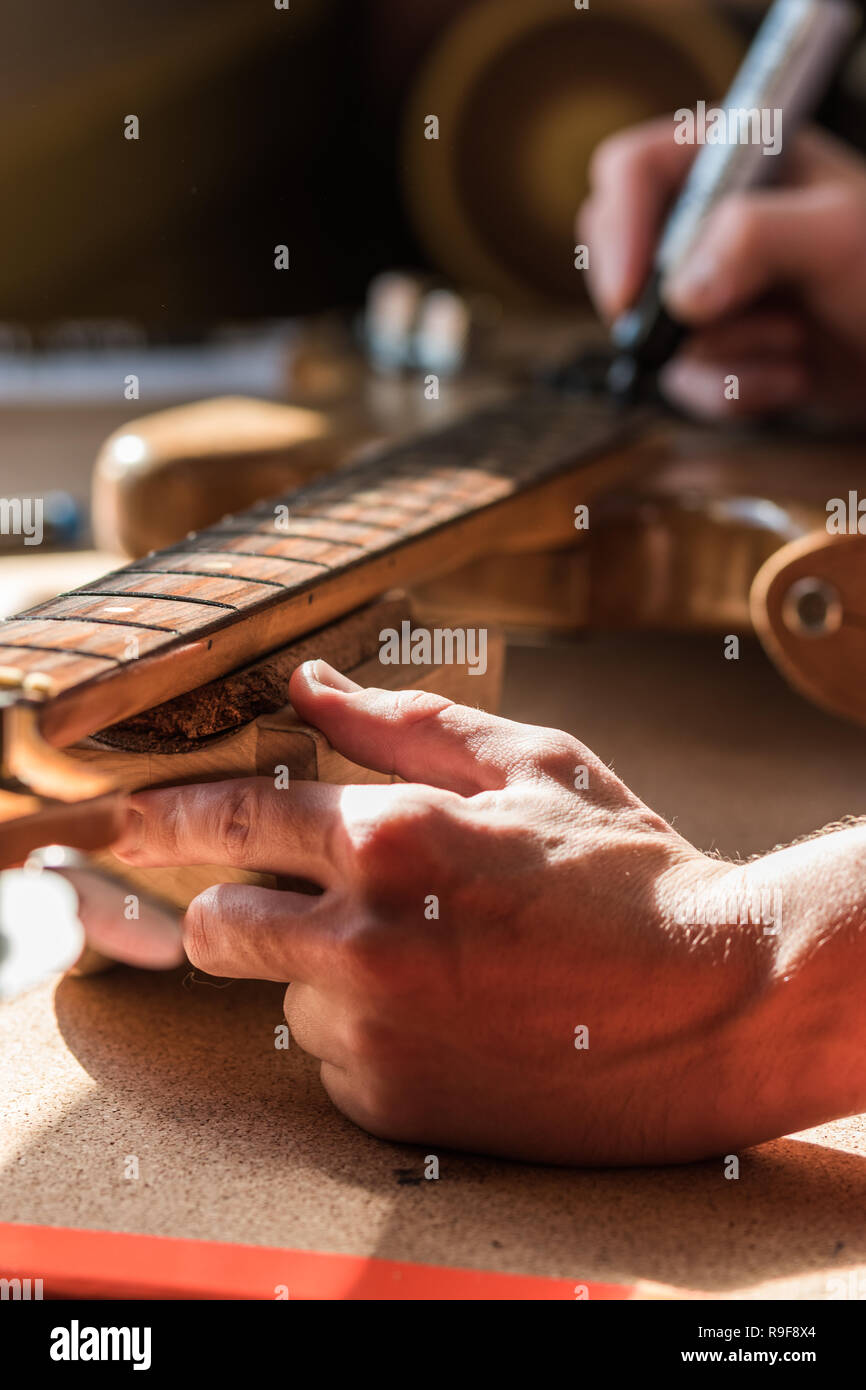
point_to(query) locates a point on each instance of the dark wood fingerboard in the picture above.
(228, 594)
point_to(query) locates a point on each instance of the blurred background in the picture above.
(305, 127)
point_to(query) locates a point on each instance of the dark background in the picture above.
(258, 126)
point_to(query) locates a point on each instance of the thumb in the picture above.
(752, 243)
(420, 736)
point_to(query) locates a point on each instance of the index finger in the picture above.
(634, 177)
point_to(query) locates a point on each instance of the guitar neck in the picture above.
(226, 595)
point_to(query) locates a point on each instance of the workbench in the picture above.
(237, 1142)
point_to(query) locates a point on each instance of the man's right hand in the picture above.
(775, 288)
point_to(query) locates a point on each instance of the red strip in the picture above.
(99, 1264)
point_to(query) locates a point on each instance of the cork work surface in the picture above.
(236, 1141)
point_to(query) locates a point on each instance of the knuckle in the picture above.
(171, 827)
(391, 831)
(365, 829)
(237, 816)
(556, 754)
(412, 706)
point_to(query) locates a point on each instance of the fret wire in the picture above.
(182, 547)
(506, 447)
(318, 516)
(136, 593)
(210, 574)
(252, 554)
(58, 651)
(73, 618)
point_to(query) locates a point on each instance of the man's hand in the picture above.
(504, 956)
(775, 289)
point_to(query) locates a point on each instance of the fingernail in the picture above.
(132, 834)
(324, 674)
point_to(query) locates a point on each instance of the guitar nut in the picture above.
(39, 683)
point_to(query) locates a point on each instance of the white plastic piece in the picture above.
(40, 931)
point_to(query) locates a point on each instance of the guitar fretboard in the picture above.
(228, 594)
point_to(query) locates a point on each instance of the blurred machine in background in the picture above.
(523, 94)
(306, 126)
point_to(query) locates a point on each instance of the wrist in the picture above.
(795, 1042)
